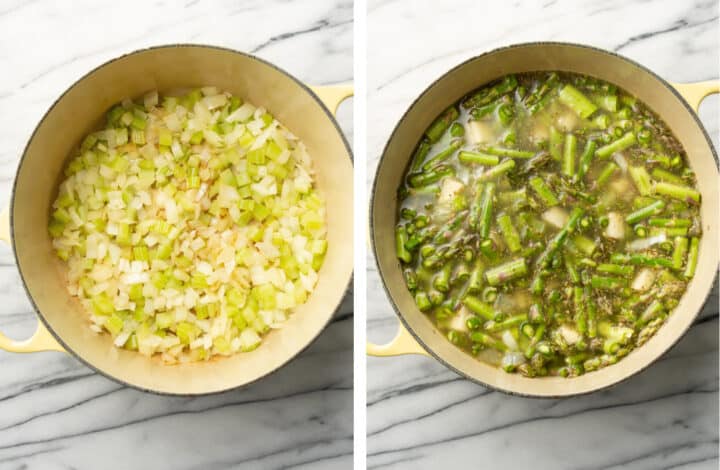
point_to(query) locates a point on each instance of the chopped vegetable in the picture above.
(190, 225)
(548, 224)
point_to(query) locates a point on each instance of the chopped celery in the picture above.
(197, 138)
(165, 137)
(114, 324)
(186, 332)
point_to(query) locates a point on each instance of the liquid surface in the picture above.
(548, 224)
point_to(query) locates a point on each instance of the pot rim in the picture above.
(77, 82)
(383, 156)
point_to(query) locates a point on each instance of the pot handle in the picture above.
(41, 340)
(695, 92)
(333, 95)
(403, 343)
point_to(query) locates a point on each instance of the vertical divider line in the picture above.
(360, 234)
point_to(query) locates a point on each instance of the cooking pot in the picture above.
(676, 104)
(63, 323)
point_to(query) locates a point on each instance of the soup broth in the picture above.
(548, 223)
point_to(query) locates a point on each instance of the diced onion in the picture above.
(643, 280)
(509, 340)
(641, 244)
(513, 359)
(556, 216)
(620, 159)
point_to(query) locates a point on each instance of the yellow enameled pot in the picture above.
(675, 103)
(63, 326)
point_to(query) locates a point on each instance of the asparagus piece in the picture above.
(510, 233)
(541, 95)
(510, 153)
(645, 212)
(479, 158)
(543, 191)
(539, 160)
(682, 193)
(489, 294)
(508, 323)
(573, 274)
(558, 240)
(487, 340)
(556, 143)
(487, 95)
(446, 231)
(679, 251)
(440, 125)
(497, 171)
(537, 285)
(607, 282)
(591, 314)
(457, 130)
(575, 100)
(586, 158)
(420, 153)
(664, 175)
(486, 208)
(442, 279)
(505, 114)
(443, 154)
(606, 102)
(610, 268)
(624, 142)
(584, 244)
(652, 311)
(422, 301)
(668, 223)
(400, 240)
(601, 121)
(641, 260)
(692, 258)
(580, 313)
(436, 297)
(537, 337)
(475, 208)
(487, 248)
(476, 279)
(506, 272)
(479, 307)
(568, 166)
(482, 111)
(605, 175)
(514, 200)
(641, 178)
(411, 279)
(429, 177)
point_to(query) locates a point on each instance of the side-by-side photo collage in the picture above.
(359, 234)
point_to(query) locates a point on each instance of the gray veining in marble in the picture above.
(420, 414)
(57, 414)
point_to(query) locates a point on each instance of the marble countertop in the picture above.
(422, 415)
(57, 414)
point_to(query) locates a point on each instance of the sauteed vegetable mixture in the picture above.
(190, 225)
(548, 223)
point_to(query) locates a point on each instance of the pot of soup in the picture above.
(553, 225)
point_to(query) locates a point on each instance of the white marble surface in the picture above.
(56, 413)
(420, 414)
